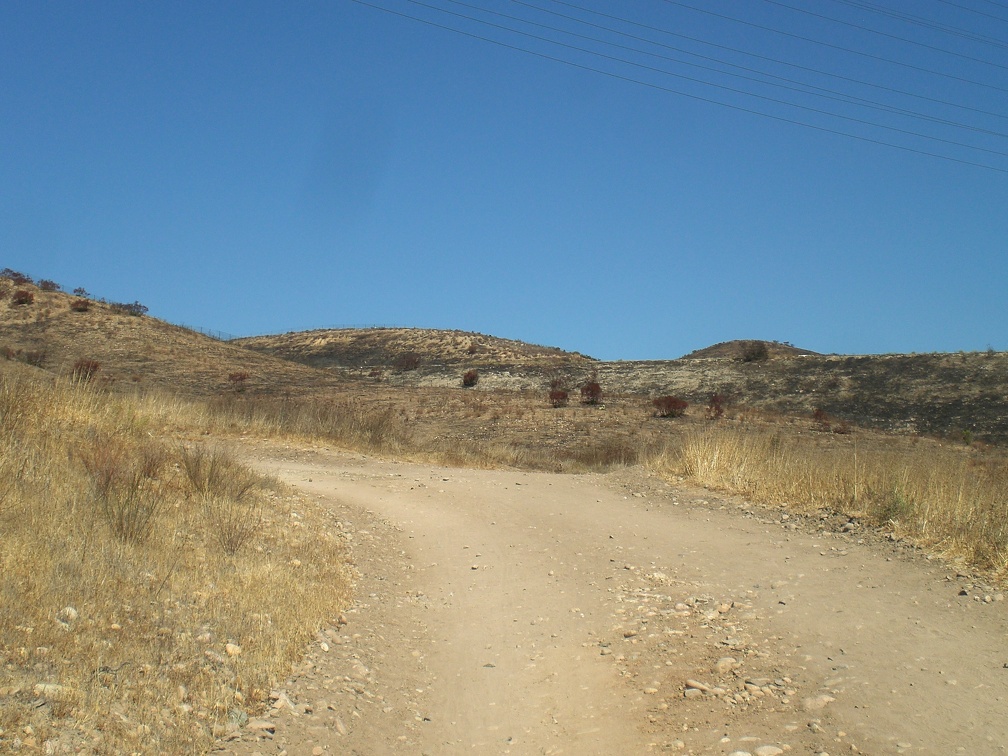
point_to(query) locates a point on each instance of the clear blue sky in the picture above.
(263, 167)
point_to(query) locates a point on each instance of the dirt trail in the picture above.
(513, 612)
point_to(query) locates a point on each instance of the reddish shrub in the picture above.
(670, 406)
(237, 380)
(80, 305)
(22, 297)
(716, 406)
(821, 419)
(470, 378)
(558, 397)
(36, 357)
(128, 308)
(8, 353)
(85, 369)
(46, 285)
(591, 393)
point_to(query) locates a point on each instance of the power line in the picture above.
(703, 82)
(777, 61)
(926, 23)
(690, 95)
(837, 47)
(979, 13)
(885, 34)
(803, 87)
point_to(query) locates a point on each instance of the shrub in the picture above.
(122, 490)
(13, 275)
(716, 406)
(46, 285)
(821, 420)
(559, 398)
(85, 369)
(128, 308)
(8, 352)
(36, 357)
(406, 361)
(376, 373)
(80, 305)
(670, 406)
(80, 291)
(22, 297)
(470, 378)
(238, 379)
(591, 393)
(755, 351)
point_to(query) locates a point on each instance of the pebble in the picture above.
(816, 703)
(768, 750)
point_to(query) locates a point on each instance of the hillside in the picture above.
(751, 350)
(55, 330)
(386, 348)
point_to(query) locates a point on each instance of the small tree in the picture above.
(470, 378)
(22, 297)
(558, 397)
(591, 393)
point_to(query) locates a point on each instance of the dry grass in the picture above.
(952, 499)
(123, 579)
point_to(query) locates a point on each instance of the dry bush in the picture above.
(716, 406)
(118, 645)
(22, 297)
(80, 305)
(755, 351)
(949, 498)
(558, 398)
(670, 406)
(238, 379)
(470, 378)
(591, 393)
(406, 362)
(46, 284)
(85, 369)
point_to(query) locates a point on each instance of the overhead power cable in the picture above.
(768, 78)
(868, 29)
(777, 61)
(926, 23)
(703, 82)
(974, 10)
(680, 93)
(852, 51)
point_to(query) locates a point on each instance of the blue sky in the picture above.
(265, 167)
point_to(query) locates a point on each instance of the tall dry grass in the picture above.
(953, 499)
(121, 586)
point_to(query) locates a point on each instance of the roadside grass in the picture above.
(143, 608)
(949, 498)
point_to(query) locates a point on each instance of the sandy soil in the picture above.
(523, 613)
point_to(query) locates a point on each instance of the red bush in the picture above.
(591, 393)
(237, 380)
(670, 406)
(80, 305)
(407, 361)
(821, 419)
(716, 406)
(558, 397)
(46, 285)
(470, 378)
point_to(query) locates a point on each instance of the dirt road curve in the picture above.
(511, 612)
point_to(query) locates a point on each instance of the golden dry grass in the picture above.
(123, 581)
(952, 499)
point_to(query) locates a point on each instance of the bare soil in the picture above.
(516, 612)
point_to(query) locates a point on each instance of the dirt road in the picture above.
(512, 612)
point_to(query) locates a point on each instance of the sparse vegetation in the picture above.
(670, 406)
(47, 285)
(22, 297)
(559, 397)
(85, 369)
(135, 309)
(80, 305)
(470, 378)
(406, 362)
(238, 380)
(716, 406)
(755, 351)
(20, 279)
(591, 392)
(118, 587)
